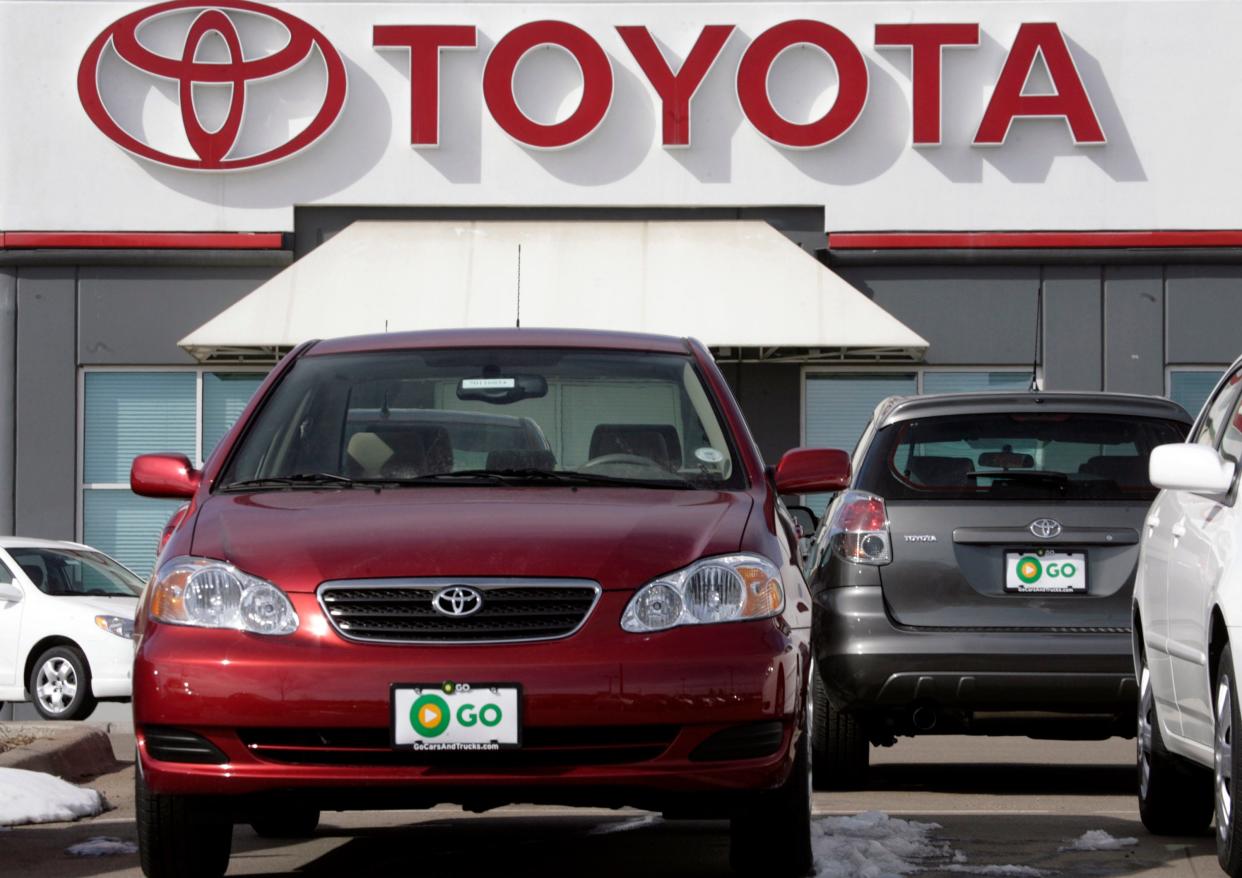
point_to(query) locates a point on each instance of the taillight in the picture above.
(858, 532)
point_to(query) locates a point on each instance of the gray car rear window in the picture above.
(1016, 456)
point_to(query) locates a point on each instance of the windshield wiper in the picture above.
(562, 477)
(297, 480)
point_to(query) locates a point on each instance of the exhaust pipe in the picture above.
(923, 718)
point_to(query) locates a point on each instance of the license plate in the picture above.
(456, 716)
(1044, 571)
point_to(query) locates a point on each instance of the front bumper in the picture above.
(870, 664)
(233, 689)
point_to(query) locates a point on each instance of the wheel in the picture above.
(1228, 822)
(60, 684)
(1174, 794)
(180, 835)
(290, 821)
(840, 748)
(772, 838)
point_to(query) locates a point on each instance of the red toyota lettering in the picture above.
(425, 42)
(1069, 99)
(676, 90)
(596, 84)
(927, 43)
(756, 64)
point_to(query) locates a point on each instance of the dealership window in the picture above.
(1190, 387)
(127, 412)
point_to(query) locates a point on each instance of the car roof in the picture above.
(905, 408)
(503, 338)
(36, 543)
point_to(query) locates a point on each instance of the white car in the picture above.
(66, 626)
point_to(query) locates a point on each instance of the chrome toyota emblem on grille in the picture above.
(1046, 528)
(457, 601)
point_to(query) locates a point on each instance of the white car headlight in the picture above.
(728, 588)
(205, 593)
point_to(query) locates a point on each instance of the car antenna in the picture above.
(1039, 339)
(518, 321)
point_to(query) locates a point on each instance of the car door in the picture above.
(1201, 545)
(10, 626)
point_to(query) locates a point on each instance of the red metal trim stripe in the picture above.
(1029, 240)
(141, 240)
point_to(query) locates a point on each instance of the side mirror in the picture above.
(805, 518)
(1188, 467)
(10, 592)
(164, 475)
(813, 471)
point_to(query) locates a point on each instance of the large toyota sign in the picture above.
(234, 24)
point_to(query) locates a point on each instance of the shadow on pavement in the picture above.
(1017, 780)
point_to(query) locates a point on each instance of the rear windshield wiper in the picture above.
(297, 480)
(562, 477)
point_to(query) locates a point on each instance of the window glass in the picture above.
(125, 526)
(1231, 442)
(967, 382)
(838, 407)
(1190, 389)
(225, 395)
(409, 415)
(75, 572)
(1016, 456)
(132, 413)
(1209, 430)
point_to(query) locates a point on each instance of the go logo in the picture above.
(1030, 570)
(430, 716)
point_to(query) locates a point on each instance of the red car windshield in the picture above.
(451, 415)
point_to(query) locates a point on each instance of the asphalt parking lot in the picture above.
(1003, 807)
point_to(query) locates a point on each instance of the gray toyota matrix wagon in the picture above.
(976, 575)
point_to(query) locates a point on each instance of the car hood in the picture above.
(619, 537)
(123, 607)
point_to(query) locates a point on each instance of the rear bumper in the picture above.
(868, 663)
(232, 689)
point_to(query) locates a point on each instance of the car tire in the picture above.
(290, 821)
(1228, 767)
(60, 684)
(772, 838)
(1175, 795)
(841, 750)
(180, 835)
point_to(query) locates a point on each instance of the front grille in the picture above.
(513, 610)
(542, 747)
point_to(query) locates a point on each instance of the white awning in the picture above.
(730, 284)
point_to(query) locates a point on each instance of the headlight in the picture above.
(214, 594)
(730, 588)
(118, 625)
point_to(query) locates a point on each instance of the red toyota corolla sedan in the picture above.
(478, 567)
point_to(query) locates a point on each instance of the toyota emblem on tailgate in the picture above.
(457, 601)
(1046, 528)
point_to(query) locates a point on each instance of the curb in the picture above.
(70, 752)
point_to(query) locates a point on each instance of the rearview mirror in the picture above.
(502, 390)
(1189, 467)
(164, 475)
(812, 471)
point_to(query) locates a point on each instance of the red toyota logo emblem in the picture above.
(221, 148)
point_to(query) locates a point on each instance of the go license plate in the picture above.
(1043, 571)
(456, 716)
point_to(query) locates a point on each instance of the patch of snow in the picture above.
(102, 846)
(35, 797)
(1098, 840)
(625, 825)
(874, 845)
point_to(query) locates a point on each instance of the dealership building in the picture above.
(844, 200)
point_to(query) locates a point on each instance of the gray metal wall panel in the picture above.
(1204, 311)
(1073, 356)
(968, 314)
(1134, 328)
(770, 395)
(8, 389)
(136, 315)
(46, 477)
